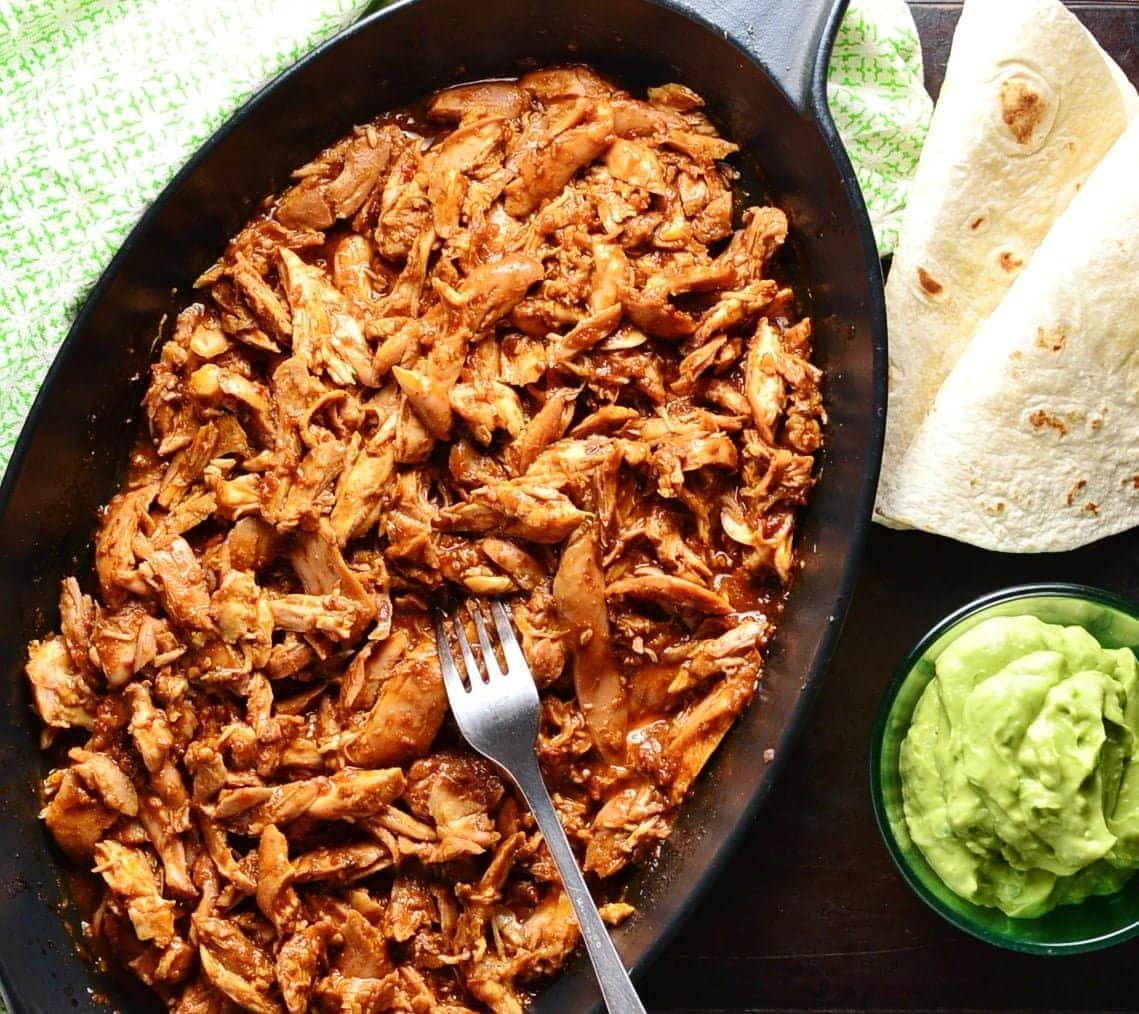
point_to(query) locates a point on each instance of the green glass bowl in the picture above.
(1092, 924)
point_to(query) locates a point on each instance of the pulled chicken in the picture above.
(518, 344)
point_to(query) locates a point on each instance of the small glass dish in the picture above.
(1092, 924)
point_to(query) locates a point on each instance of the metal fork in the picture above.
(499, 718)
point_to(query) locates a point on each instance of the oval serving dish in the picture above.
(762, 68)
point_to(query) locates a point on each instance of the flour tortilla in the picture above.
(1030, 105)
(1032, 444)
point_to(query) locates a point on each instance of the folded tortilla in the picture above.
(1030, 105)
(1032, 444)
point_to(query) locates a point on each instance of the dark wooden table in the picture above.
(810, 914)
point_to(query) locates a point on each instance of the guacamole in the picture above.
(1017, 774)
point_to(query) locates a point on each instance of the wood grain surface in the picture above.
(810, 914)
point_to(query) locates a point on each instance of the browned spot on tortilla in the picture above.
(977, 222)
(1000, 506)
(1076, 490)
(1040, 419)
(1091, 508)
(928, 282)
(1051, 339)
(1022, 108)
(1133, 481)
(1096, 424)
(1015, 354)
(1009, 261)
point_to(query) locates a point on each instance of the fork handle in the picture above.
(616, 987)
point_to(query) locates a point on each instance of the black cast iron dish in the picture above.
(761, 65)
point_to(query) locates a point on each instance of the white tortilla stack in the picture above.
(1032, 443)
(1030, 105)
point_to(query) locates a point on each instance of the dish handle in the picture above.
(790, 39)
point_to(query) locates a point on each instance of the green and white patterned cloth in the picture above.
(101, 101)
(880, 106)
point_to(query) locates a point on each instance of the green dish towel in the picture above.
(101, 101)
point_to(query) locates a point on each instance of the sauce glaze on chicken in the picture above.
(517, 347)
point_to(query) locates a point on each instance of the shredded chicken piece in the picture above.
(516, 342)
(669, 592)
(131, 877)
(61, 694)
(347, 794)
(579, 594)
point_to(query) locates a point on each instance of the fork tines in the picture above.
(482, 667)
